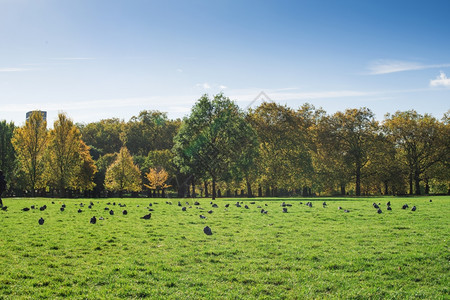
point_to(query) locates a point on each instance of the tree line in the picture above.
(220, 150)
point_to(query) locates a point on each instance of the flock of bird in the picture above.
(207, 230)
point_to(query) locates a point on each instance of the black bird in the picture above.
(389, 203)
(4, 208)
(196, 203)
(147, 217)
(183, 208)
(150, 204)
(41, 221)
(90, 206)
(114, 203)
(413, 208)
(25, 209)
(253, 202)
(405, 206)
(42, 208)
(79, 210)
(431, 200)
(125, 212)
(61, 209)
(339, 208)
(106, 208)
(389, 208)
(93, 220)
(111, 212)
(284, 209)
(210, 212)
(63, 205)
(346, 211)
(375, 205)
(379, 211)
(179, 203)
(246, 206)
(324, 204)
(202, 217)
(215, 205)
(32, 206)
(207, 230)
(227, 205)
(238, 205)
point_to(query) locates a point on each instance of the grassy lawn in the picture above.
(308, 252)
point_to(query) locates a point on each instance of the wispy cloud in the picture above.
(440, 80)
(222, 87)
(14, 69)
(73, 58)
(393, 66)
(204, 85)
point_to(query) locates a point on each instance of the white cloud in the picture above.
(73, 58)
(204, 85)
(13, 69)
(222, 87)
(180, 70)
(393, 66)
(440, 80)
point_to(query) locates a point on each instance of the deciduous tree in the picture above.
(123, 174)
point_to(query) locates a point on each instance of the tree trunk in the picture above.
(386, 187)
(417, 182)
(213, 188)
(249, 190)
(427, 187)
(342, 189)
(410, 183)
(358, 181)
(193, 187)
(206, 189)
(259, 191)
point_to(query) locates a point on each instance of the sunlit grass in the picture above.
(305, 253)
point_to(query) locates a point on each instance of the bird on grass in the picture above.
(25, 209)
(246, 206)
(389, 203)
(183, 208)
(405, 206)
(379, 211)
(125, 212)
(210, 211)
(284, 209)
(227, 205)
(207, 230)
(147, 217)
(93, 220)
(61, 209)
(42, 208)
(111, 212)
(79, 210)
(41, 221)
(202, 217)
(389, 208)
(413, 208)
(4, 208)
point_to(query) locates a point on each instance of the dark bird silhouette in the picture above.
(413, 208)
(42, 208)
(405, 206)
(375, 205)
(179, 203)
(4, 208)
(207, 230)
(93, 220)
(183, 208)
(111, 212)
(41, 221)
(63, 205)
(346, 211)
(379, 211)
(125, 212)
(324, 204)
(106, 208)
(79, 210)
(25, 209)
(61, 209)
(215, 205)
(202, 217)
(147, 217)
(339, 208)
(32, 206)
(389, 203)
(431, 200)
(227, 205)
(389, 208)
(196, 203)
(90, 206)
(285, 209)
(246, 206)
(210, 211)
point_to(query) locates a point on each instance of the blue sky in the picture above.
(96, 59)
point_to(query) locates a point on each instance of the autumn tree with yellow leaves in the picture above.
(157, 180)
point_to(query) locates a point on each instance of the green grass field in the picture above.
(305, 253)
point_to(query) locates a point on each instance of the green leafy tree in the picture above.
(30, 143)
(7, 152)
(104, 135)
(422, 140)
(211, 139)
(123, 174)
(85, 172)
